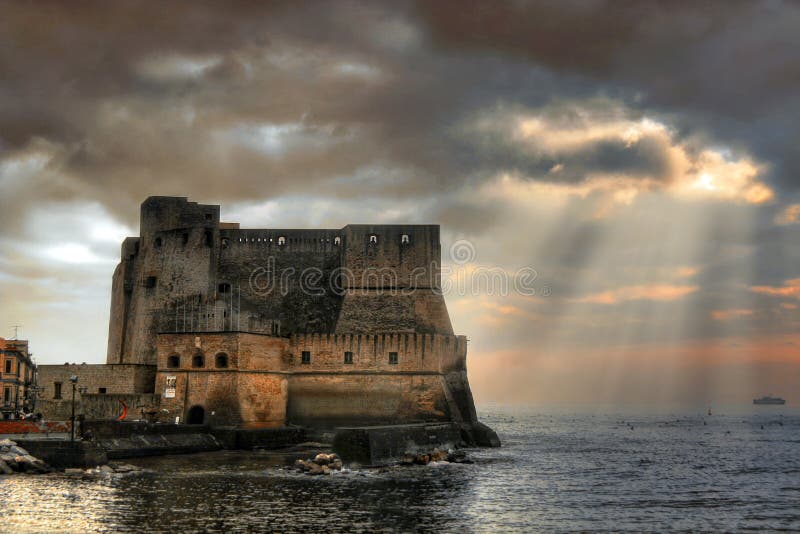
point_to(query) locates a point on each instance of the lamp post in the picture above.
(74, 380)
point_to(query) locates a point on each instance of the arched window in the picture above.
(198, 360)
(337, 240)
(281, 241)
(158, 242)
(373, 239)
(221, 361)
(174, 361)
(404, 239)
(224, 288)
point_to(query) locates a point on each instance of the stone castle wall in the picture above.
(189, 272)
(266, 383)
(133, 382)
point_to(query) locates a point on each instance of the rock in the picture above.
(422, 459)
(336, 464)
(324, 459)
(73, 471)
(106, 469)
(407, 460)
(438, 456)
(7, 443)
(5, 469)
(17, 451)
(458, 457)
(122, 468)
(314, 469)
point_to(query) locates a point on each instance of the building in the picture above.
(18, 374)
(269, 327)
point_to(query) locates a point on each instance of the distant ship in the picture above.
(769, 400)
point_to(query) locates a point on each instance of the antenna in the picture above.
(16, 328)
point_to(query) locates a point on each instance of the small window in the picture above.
(173, 362)
(224, 288)
(404, 239)
(185, 238)
(57, 390)
(348, 357)
(221, 361)
(337, 240)
(209, 216)
(9, 365)
(281, 241)
(101, 391)
(7, 396)
(209, 238)
(306, 357)
(373, 239)
(151, 282)
(393, 358)
(225, 242)
(158, 242)
(198, 361)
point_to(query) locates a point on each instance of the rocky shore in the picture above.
(110, 468)
(15, 459)
(326, 464)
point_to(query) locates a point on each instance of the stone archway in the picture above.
(196, 415)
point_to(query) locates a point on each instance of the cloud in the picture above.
(603, 145)
(789, 215)
(790, 289)
(727, 315)
(659, 293)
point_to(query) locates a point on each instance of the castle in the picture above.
(270, 327)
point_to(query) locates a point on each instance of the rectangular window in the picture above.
(306, 357)
(101, 391)
(57, 387)
(151, 282)
(8, 365)
(348, 357)
(7, 395)
(393, 358)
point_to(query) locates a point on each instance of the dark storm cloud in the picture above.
(732, 68)
(249, 101)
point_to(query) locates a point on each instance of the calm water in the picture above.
(556, 472)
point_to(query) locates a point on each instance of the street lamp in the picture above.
(74, 380)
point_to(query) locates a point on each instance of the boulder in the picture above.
(5, 469)
(314, 469)
(438, 456)
(458, 457)
(324, 459)
(7, 443)
(17, 450)
(73, 471)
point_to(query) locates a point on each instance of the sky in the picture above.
(636, 161)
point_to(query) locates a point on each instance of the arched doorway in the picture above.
(196, 415)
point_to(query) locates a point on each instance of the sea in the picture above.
(559, 470)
